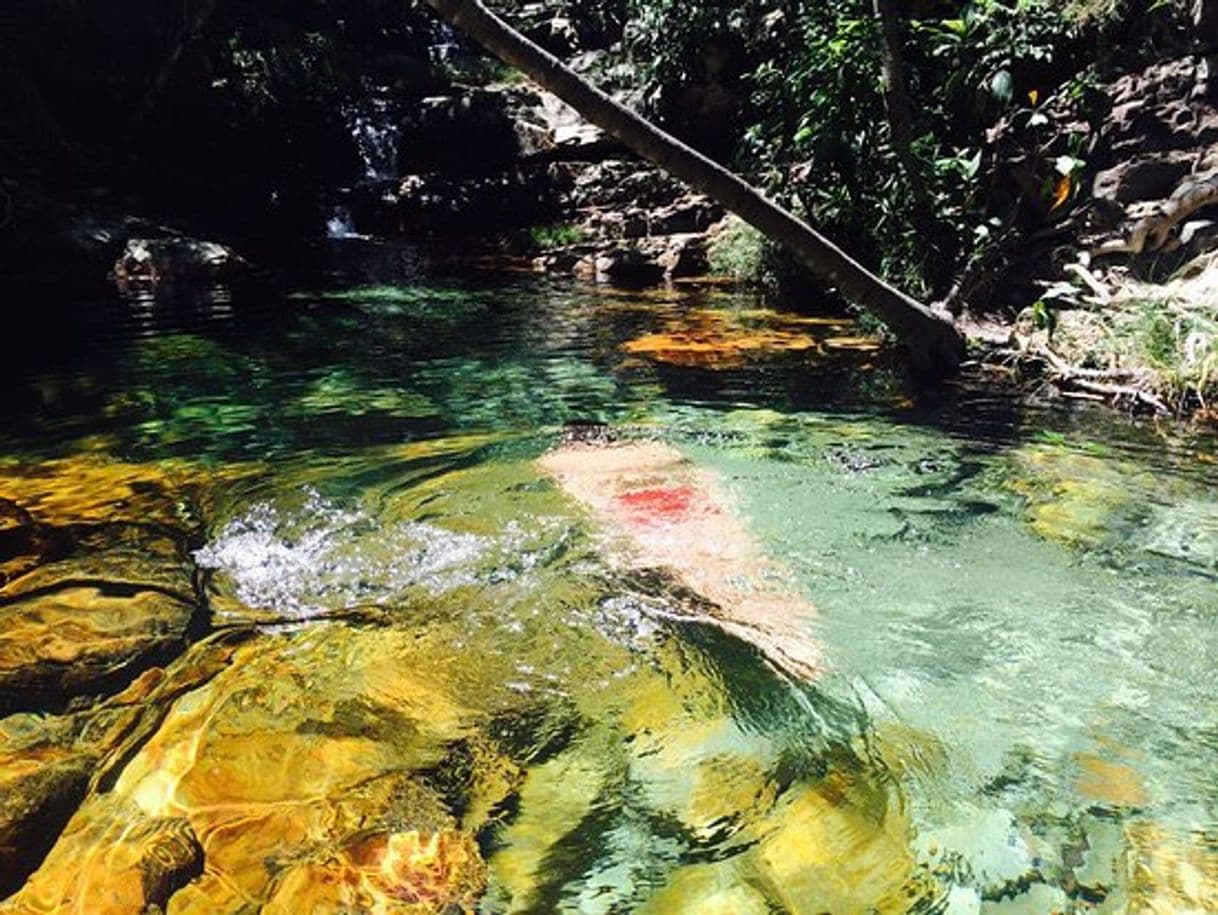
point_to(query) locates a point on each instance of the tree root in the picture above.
(1118, 386)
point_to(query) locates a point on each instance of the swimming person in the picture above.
(667, 513)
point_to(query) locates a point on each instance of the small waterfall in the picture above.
(374, 122)
(341, 224)
(375, 129)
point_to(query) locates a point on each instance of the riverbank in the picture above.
(1089, 271)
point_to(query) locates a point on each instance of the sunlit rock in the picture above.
(1072, 497)
(409, 872)
(99, 582)
(112, 860)
(44, 774)
(704, 771)
(154, 261)
(719, 339)
(555, 797)
(88, 490)
(838, 846)
(1167, 871)
(1114, 783)
(707, 889)
(49, 763)
(716, 348)
(292, 766)
(76, 639)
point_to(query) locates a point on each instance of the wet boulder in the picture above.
(158, 261)
(49, 764)
(431, 871)
(44, 775)
(299, 769)
(624, 266)
(97, 577)
(115, 860)
(74, 640)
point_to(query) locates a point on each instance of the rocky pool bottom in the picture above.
(292, 619)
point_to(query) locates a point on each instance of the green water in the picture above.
(1016, 603)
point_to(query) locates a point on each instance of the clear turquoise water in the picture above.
(1017, 602)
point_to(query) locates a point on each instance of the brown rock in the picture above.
(76, 639)
(293, 768)
(22, 544)
(49, 763)
(113, 860)
(1141, 179)
(409, 872)
(627, 267)
(43, 778)
(83, 490)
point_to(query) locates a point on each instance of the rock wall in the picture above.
(1100, 170)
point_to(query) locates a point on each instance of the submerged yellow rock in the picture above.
(840, 846)
(74, 639)
(112, 860)
(719, 339)
(1167, 872)
(410, 873)
(292, 769)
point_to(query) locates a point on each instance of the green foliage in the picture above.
(1180, 343)
(667, 37)
(817, 131)
(547, 238)
(738, 251)
(265, 74)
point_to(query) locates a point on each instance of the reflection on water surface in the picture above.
(295, 620)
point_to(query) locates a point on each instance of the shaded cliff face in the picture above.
(174, 100)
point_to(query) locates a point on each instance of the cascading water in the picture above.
(376, 133)
(374, 124)
(341, 224)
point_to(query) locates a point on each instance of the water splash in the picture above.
(377, 136)
(319, 556)
(324, 557)
(341, 224)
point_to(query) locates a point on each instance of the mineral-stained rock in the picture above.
(705, 889)
(43, 777)
(83, 490)
(75, 639)
(717, 340)
(293, 768)
(407, 872)
(49, 762)
(113, 860)
(1168, 871)
(839, 846)
(123, 559)
(97, 580)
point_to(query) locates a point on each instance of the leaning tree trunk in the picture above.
(933, 342)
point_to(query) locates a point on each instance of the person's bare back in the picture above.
(668, 513)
